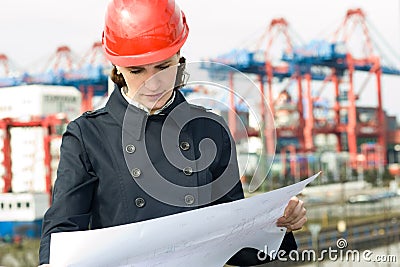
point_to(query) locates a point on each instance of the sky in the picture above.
(31, 31)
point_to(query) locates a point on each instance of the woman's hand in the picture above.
(295, 215)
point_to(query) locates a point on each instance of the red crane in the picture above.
(94, 57)
(276, 41)
(9, 74)
(62, 60)
(361, 55)
(4, 64)
(278, 34)
(95, 67)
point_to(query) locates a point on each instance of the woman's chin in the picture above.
(154, 107)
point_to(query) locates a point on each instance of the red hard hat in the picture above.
(139, 32)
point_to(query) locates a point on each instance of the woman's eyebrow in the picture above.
(142, 67)
(136, 68)
(133, 68)
(163, 63)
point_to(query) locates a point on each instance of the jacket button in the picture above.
(184, 146)
(136, 172)
(140, 202)
(189, 199)
(130, 149)
(188, 171)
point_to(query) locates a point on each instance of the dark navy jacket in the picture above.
(104, 156)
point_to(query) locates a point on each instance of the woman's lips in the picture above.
(154, 96)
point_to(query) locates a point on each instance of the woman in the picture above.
(114, 161)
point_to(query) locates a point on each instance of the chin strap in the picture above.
(181, 75)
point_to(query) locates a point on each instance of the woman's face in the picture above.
(151, 85)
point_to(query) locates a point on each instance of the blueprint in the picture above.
(198, 238)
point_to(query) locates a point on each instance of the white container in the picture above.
(28, 169)
(27, 158)
(39, 100)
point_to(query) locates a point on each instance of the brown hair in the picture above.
(118, 79)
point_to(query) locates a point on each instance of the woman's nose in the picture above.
(153, 82)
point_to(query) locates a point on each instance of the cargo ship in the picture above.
(21, 214)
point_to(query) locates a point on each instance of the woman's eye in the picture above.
(135, 71)
(163, 67)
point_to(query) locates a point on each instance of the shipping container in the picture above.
(39, 100)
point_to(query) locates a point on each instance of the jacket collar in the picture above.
(134, 119)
